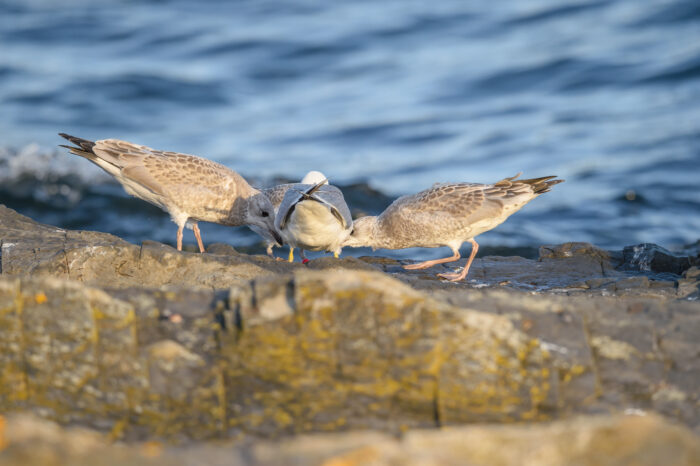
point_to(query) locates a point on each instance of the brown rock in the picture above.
(609, 440)
(146, 341)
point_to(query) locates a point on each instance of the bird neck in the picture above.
(238, 213)
(375, 238)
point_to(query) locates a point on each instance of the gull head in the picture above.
(314, 177)
(363, 232)
(261, 214)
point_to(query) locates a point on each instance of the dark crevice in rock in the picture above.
(253, 295)
(65, 261)
(290, 292)
(436, 405)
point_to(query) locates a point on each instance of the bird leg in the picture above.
(270, 254)
(336, 255)
(195, 228)
(455, 277)
(291, 254)
(179, 238)
(426, 264)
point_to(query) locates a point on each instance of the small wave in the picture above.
(674, 12)
(150, 87)
(40, 165)
(554, 12)
(559, 74)
(686, 70)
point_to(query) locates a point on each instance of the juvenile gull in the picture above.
(276, 194)
(315, 218)
(189, 188)
(447, 215)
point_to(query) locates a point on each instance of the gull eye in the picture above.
(265, 213)
(352, 232)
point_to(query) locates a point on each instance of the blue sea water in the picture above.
(385, 97)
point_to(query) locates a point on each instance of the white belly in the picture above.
(312, 226)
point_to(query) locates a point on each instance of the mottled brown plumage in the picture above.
(447, 215)
(189, 188)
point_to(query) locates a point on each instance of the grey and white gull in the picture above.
(190, 188)
(276, 195)
(314, 218)
(447, 215)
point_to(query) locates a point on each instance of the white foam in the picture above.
(34, 161)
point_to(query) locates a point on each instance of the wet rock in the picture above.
(98, 259)
(648, 257)
(29, 248)
(567, 250)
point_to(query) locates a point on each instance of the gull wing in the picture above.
(328, 195)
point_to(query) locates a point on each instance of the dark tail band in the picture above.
(541, 185)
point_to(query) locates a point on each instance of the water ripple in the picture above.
(384, 97)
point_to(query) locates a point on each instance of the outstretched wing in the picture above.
(333, 198)
(328, 195)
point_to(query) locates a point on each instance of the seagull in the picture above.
(315, 218)
(447, 215)
(276, 194)
(190, 188)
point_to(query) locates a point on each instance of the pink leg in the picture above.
(271, 254)
(426, 264)
(195, 228)
(455, 277)
(179, 238)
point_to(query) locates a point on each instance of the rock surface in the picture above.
(144, 342)
(613, 441)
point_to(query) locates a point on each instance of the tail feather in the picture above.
(314, 188)
(541, 185)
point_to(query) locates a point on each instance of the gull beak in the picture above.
(277, 237)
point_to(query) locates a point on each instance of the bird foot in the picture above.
(419, 266)
(453, 277)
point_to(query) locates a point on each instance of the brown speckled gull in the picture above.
(447, 215)
(189, 188)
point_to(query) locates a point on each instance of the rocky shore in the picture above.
(337, 359)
